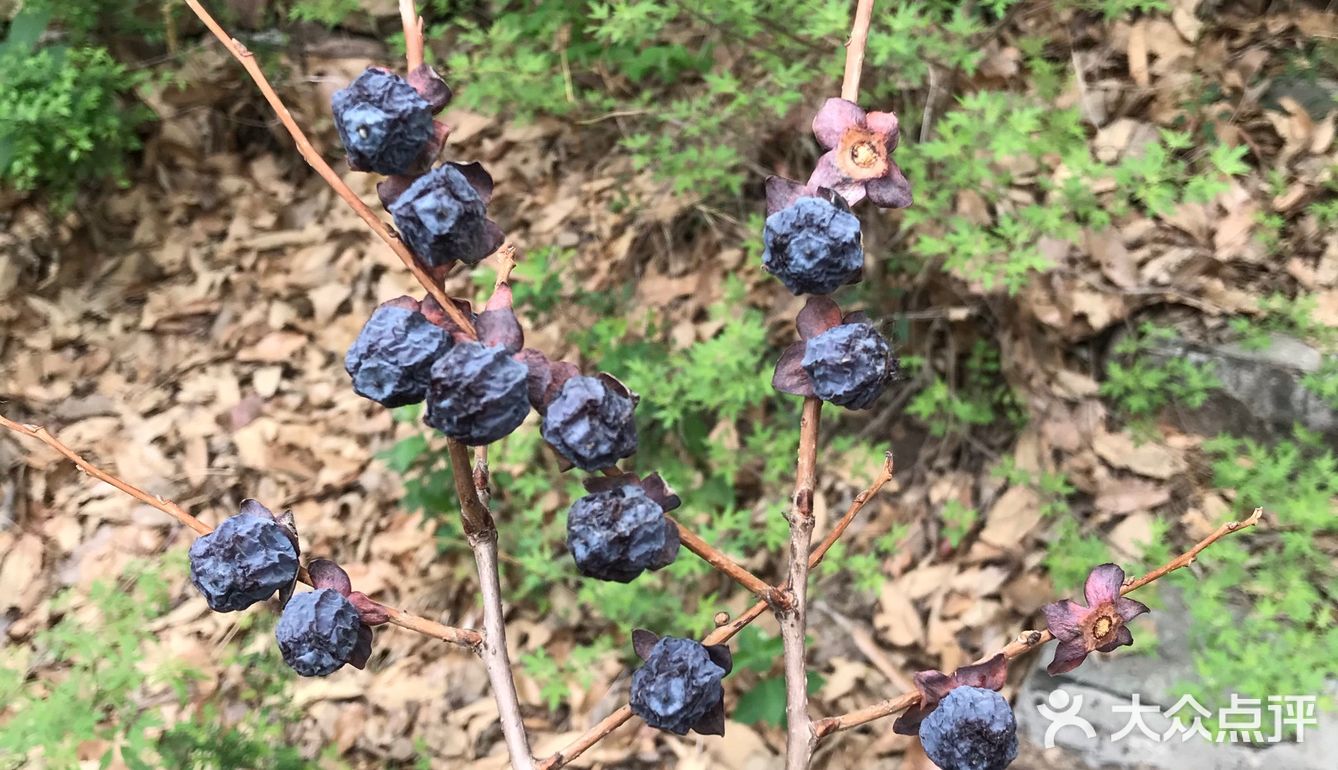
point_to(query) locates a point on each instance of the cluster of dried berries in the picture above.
(678, 688)
(620, 530)
(254, 554)
(813, 244)
(962, 720)
(839, 359)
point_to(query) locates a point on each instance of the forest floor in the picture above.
(188, 333)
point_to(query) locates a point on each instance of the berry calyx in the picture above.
(616, 534)
(318, 632)
(383, 122)
(477, 394)
(849, 365)
(591, 422)
(245, 560)
(813, 246)
(972, 729)
(392, 357)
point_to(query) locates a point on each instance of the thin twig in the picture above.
(413, 34)
(314, 159)
(1028, 640)
(717, 559)
(721, 634)
(475, 518)
(496, 660)
(859, 38)
(791, 606)
(480, 529)
(462, 636)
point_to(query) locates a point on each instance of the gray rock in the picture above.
(1261, 389)
(1105, 683)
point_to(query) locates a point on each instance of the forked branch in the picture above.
(314, 159)
(462, 636)
(1028, 640)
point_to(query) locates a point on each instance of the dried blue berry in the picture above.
(383, 122)
(443, 218)
(244, 561)
(393, 354)
(813, 246)
(478, 394)
(678, 689)
(850, 365)
(318, 632)
(972, 729)
(619, 533)
(590, 423)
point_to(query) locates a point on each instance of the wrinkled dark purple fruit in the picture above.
(850, 365)
(318, 632)
(972, 729)
(242, 562)
(591, 424)
(478, 394)
(384, 123)
(393, 354)
(678, 686)
(619, 533)
(813, 246)
(442, 218)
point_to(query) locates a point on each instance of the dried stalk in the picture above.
(791, 606)
(462, 636)
(859, 39)
(1027, 640)
(722, 563)
(725, 632)
(480, 529)
(413, 34)
(314, 159)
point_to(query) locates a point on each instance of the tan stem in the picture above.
(462, 636)
(1027, 640)
(496, 659)
(791, 608)
(475, 518)
(314, 159)
(717, 559)
(722, 634)
(413, 34)
(859, 38)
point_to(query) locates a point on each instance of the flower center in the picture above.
(1103, 626)
(864, 154)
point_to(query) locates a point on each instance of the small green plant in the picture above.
(1280, 314)
(98, 692)
(1140, 382)
(1324, 381)
(557, 678)
(67, 118)
(1288, 584)
(958, 520)
(764, 702)
(1053, 487)
(983, 398)
(328, 12)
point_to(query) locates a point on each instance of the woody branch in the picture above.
(1029, 640)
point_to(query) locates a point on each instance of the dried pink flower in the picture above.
(934, 686)
(1098, 627)
(859, 162)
